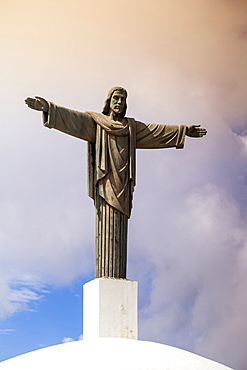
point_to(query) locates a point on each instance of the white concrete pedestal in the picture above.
(110, 309)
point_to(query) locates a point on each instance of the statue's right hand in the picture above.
(37, 103)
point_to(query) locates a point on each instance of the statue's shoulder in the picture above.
(94, 114)
(97, 117)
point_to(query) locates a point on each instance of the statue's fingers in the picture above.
(201, 130)
(29, 102)
(32, 103)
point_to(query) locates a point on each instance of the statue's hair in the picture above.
(106, 108)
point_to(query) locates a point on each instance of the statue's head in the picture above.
(110, 99)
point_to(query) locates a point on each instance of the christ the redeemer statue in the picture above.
(112, 142)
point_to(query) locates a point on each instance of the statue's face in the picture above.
(118, 101)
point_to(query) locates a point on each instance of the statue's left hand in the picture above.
(37, 103)
(195, 131)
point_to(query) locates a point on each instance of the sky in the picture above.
(182, 62)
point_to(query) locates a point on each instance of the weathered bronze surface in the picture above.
(112, 142)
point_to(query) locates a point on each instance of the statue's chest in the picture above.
(123, 144)
(119, 148)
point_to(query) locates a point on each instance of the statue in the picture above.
(112, 142)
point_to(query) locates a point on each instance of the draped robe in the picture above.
(111, 173)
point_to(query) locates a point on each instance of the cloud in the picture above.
(19, 294)
(6, 331)
(67, 340)
(42, 231)
(198, 268)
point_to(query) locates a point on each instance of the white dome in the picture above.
(110, 354)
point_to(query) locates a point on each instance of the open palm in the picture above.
(37, 103)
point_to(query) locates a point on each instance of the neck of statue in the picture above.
(114, 116)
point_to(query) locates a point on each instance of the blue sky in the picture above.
(181, 62)
(42, 324)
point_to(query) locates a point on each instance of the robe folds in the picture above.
(111, 173)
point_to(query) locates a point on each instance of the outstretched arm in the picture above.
(195, 131)
(77, 124)
(154, 136)
(37, 103)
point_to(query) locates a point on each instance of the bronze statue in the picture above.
(112, 142)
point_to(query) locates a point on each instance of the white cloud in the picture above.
(193, 246)
(6, 331)
(19, 294)
(67, 340)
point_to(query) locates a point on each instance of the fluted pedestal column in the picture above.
(110, 241)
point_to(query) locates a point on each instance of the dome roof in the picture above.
(110, 354)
